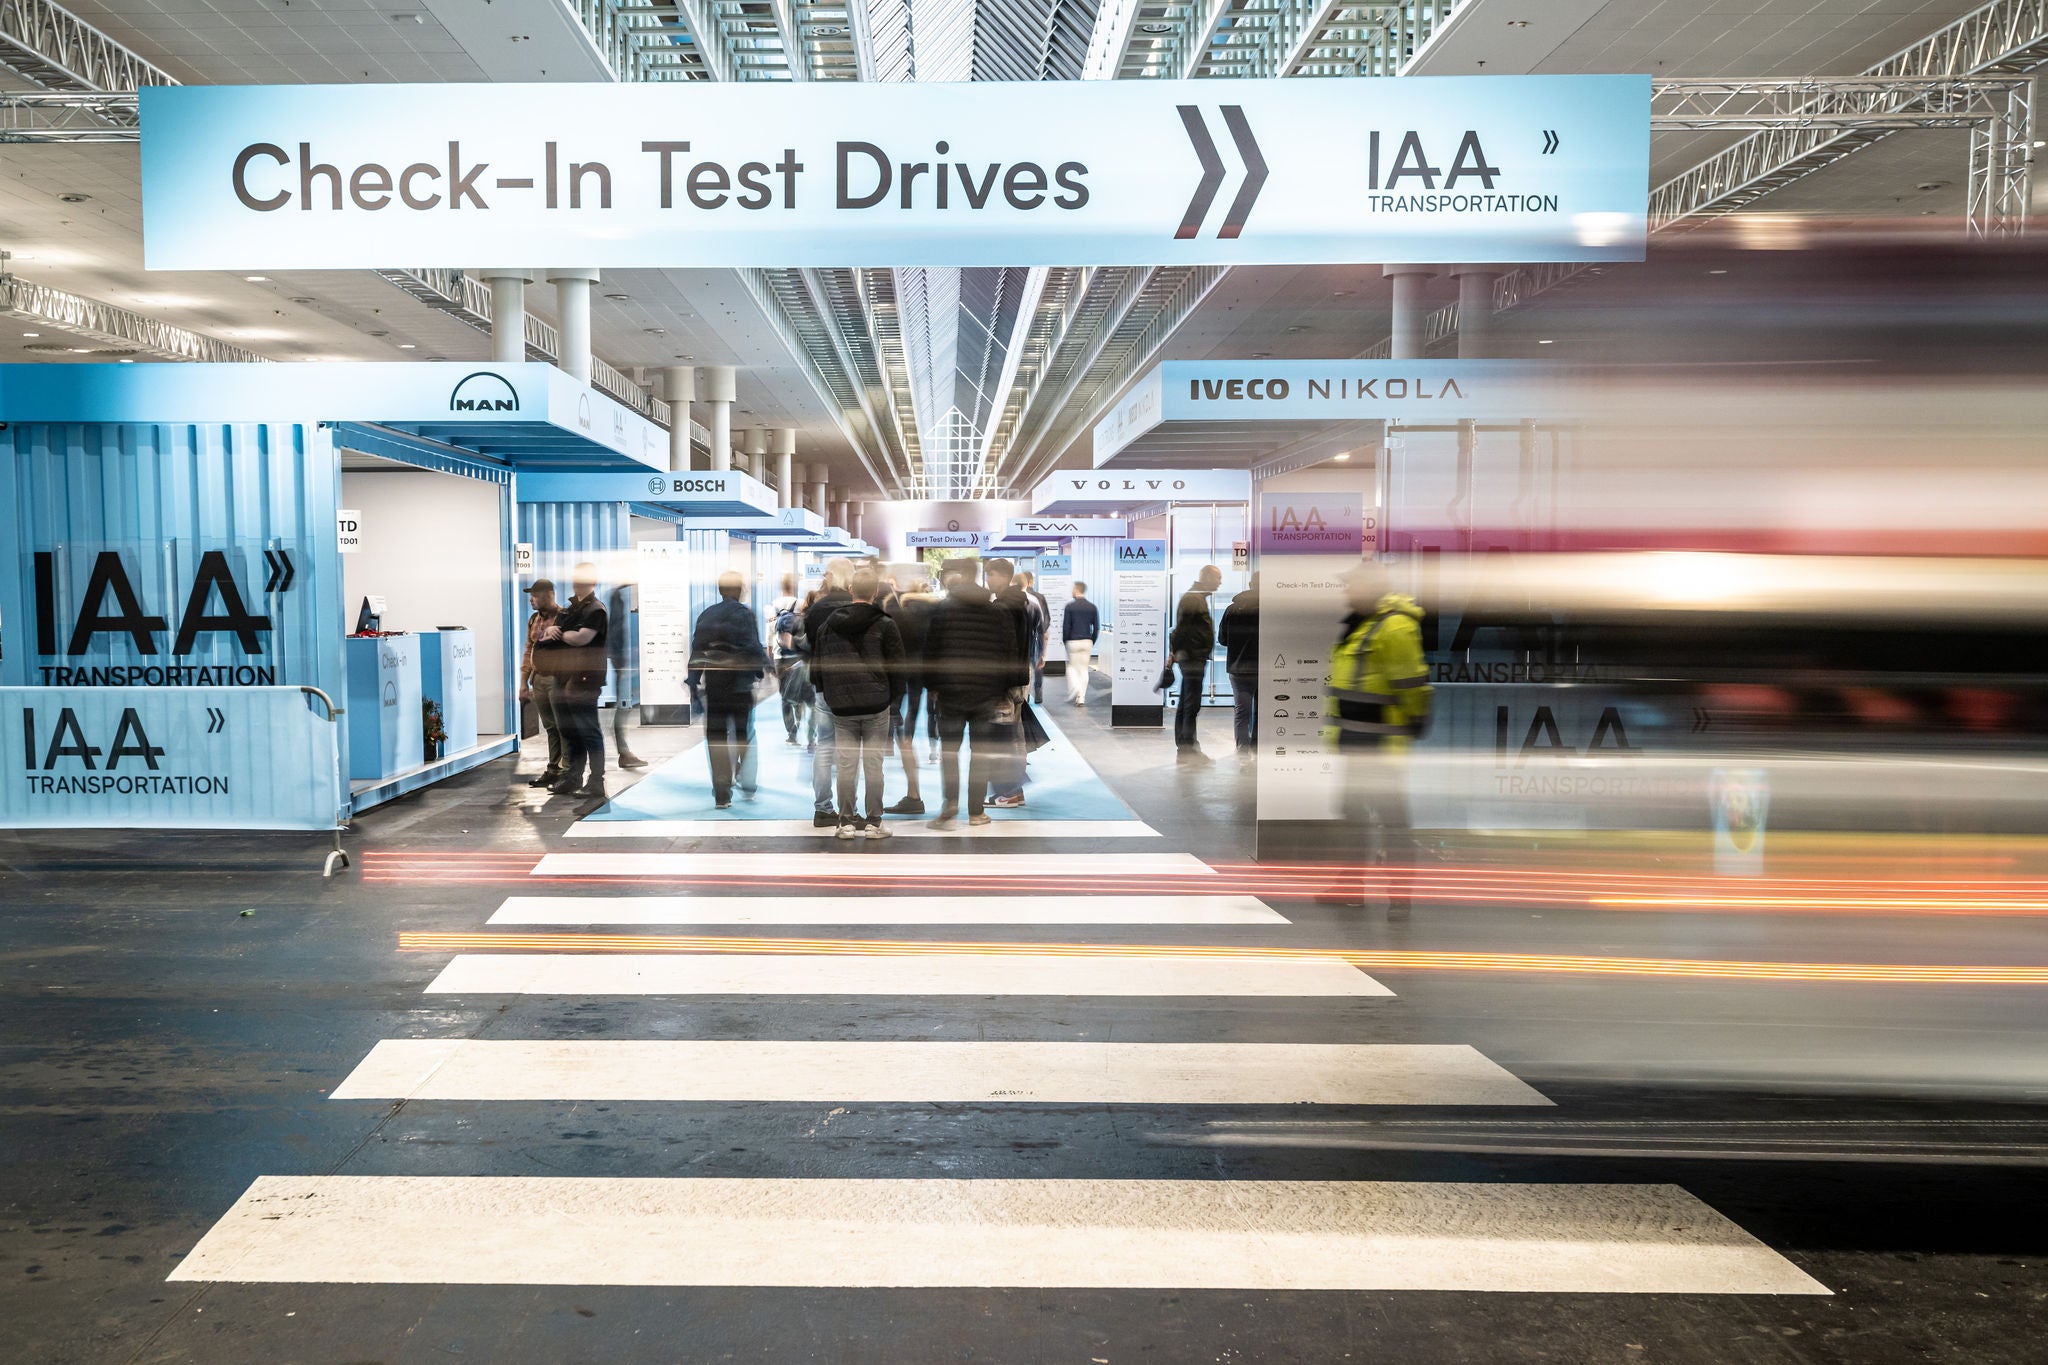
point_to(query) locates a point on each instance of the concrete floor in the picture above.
(160, 1050)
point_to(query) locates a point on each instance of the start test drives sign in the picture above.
(1470, 169)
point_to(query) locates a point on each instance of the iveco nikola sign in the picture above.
(1469, 169)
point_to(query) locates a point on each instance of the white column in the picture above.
(572, 320)
(679, 390)
(1475, 310)
(717, 389)
(1411, 319)
(785, 473)
(756, 449)
(508, 315)
(853, 519)
(818, 475)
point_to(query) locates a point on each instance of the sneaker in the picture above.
(981, 819)
(567, 786)
(722, 803)
(546, 779)
(875, 830)
(1009, 802)
(824, 819)
(632, 761)
(750, 792)
(849, 829)
(948, 819)
(592, 790)
(909, 805)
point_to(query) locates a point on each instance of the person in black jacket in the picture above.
(972, 660)
(861, 678)
(1007, 777)
(576, 642)
(1192, 642)
(726, 659)
(830, 599)
(1238, 633)
(1079, 627)
(912, 613)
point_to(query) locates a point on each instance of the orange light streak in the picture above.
(1375, 959)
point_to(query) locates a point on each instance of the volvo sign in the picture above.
(1245, 172)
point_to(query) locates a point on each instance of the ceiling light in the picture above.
(74, 197)
(1928, 185)
(257, 279)
(620, 298)
(407, 346)
(1717, 272)
(305, 300)
(31, 334)
(1345, 456)
(1155, 28)
(1545, 342)
(401, 18)
(1518, 23)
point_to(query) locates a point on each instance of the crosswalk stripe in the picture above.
(870, 864)
(921, 974)
(933, 1072)
(908, 828)
(1095, 1234)
(885, 910)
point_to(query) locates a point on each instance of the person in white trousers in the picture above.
(1080, 624)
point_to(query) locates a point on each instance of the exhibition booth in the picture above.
(298, 580)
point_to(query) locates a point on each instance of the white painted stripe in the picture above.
(914, 974)
(885, 910)
(1044, 1234)
(909, 827)
(934, 1072)
(870, 863)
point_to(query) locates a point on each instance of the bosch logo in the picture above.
(657, 486)
(484, 392)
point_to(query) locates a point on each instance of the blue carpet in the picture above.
(1062, 786)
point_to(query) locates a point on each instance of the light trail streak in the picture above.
(1365, 959)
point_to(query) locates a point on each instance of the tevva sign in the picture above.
(1475, 169)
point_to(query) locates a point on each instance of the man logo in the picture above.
(484, 392)
(657, 485)
(583, 411)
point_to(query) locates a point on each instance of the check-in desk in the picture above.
(448, 678)
(385, 731)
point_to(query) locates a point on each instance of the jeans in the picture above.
(792, 712)
(1245, 688)
(1192, 674)
(542, 686)
(860, 740)
(729, 738)
(1038, 682)
(903, 722)
(987, 738)
(821, 761)
(1079, 655)
(1376, 795)
(582, 734)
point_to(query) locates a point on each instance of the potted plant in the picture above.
(435, 733)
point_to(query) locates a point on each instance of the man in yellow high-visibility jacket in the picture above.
(1376, 703)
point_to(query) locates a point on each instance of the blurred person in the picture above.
(783, 607)
(537, 680)
(831, 597)
(1007, 777)
(861, 679)
(1192, 642)
(1238, 633)
(911, 610)
(1080, 628)
(1377, 703)
(971, 666)
(624, 614)
(726, 660)
(1041, 627)
(581, 630)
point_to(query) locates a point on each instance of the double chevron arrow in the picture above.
(281, 571)
(1212, 171)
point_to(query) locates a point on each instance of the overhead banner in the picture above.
(1068, 528)
(1081, 490)
(724, 493)
(1246, 172)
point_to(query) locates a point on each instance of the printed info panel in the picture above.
(1244, 172)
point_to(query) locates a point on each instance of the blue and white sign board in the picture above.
(795, 525)
(386, 733)
(944, 540)
(1338, 391)
(1077, 491)
(728, 493)
(412, 394)
(1056, 585)
(1138, 598)
(167, 758)
(1471, 169)
(448, 677)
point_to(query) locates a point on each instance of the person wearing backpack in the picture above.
(788, 626)
(726, 659)
(860, 677)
